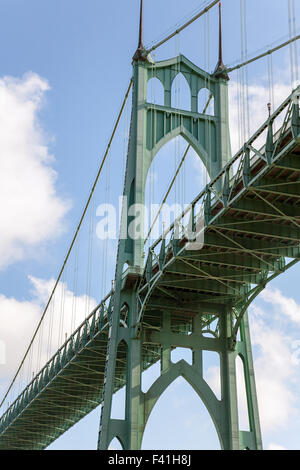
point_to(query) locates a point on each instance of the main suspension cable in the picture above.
(263, 54)
(295, 43)
(291, 45)
(181, 28)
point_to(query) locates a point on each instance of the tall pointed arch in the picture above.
(182, 369)
(189, 425)
(155, 91)
(180, 93)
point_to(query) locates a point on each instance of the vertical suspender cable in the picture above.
(246, 70)
(75, 284)
(242, 74)
(295, 43)
(291, 46)
(209, 86)
(201, 91)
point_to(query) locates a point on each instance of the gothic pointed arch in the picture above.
(183, 369)
(206, 102)
(155, 91)
(180, 92)
(116, 444)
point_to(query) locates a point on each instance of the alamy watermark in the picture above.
(134, 222)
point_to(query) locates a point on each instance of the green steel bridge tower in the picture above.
(160, 326)
(181, 290)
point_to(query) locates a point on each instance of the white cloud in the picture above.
(258, 96)
(274, 372)
(287, 306)
(212, 377)
(31, 211)
(277, 363)
(275, 447)
(19, 320)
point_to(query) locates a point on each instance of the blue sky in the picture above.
(65, 66)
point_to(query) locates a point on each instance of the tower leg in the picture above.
(110, 428)
(134, 396)
(130, 429)
(251, 439)
(230, 425)
(233, 438)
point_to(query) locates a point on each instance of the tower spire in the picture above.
(219, 70)
(141, 46)
(140, 52)
(220, 36)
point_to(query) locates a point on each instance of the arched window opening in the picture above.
(155, 91)
(115, 444)
(211, 371)
(242, 396)
(180, 420)
(182, 353)
(180, 93)
(119, 396)
(206, 102)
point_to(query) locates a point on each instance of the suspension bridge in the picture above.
(190, 289)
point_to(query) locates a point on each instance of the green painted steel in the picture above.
(178, 292)
(183, 295)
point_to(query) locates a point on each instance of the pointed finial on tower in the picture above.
(140, 46)
(219, 70)
(140, 52)
(220, 36)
